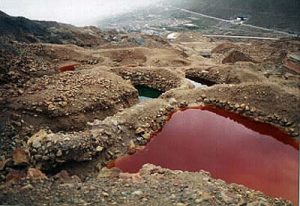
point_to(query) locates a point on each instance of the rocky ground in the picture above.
(152, 186)
(68, 109)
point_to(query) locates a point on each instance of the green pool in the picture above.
(146, 93)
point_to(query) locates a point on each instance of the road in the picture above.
(231, 22)
(242, 37)
(203, 15)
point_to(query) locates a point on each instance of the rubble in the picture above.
(20, 157)
(59, 131)
(157, 78)
(237, 56)
(180, 188)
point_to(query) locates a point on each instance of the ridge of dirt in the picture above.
(180, 188)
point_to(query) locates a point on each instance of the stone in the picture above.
(131, 147)
(139, 130)
(181, 204)
(137, 193)
(99, 149)
(226, 198)
(20, 91)
(205, 53)
(20, 157)
(197, 201)
(105, 194)
(59, 153)
(105, 172)
(173, 101)
(64, 177)
(27, 187)
(35, 174)
(36, 144)
(3, 162)
(15, 175)
(35, 140)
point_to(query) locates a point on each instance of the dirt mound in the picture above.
(64, 102)
(133, 56)
(237, 56)
(188, 36)
(142, 56)
(265, 102)
(57, 54)
(224, 48)
(252, 100)
(229, 74)
(117, 40)
(75, 94)
(151, 186)
(156, 78)
(292, 62)
(18, 63)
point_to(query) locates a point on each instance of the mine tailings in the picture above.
(146, 93)
(231, 147)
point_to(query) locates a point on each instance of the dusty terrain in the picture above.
(58, 130)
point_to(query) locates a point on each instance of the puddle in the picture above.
(197, 84)
(201, 81)
(147, 93)
(230, 147)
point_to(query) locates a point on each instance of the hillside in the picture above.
(279, 14)
(25, 30)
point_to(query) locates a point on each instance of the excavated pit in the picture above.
(201, 81)
(147, 93)
(197, 84)
(233, 148)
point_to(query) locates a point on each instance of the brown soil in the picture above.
(67, 101)
(237, 56)
(156, 78)
(224, 48)
(229, 74)
(144, 57)
(250, 99)
(95, 116)
(145, 188)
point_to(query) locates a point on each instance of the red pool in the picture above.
(230, 147)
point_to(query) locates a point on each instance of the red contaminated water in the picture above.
(230, 147)
(67, 68)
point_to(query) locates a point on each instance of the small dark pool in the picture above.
(146, 93)
(230, 147)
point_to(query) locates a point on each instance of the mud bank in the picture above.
(264, 102)
(230, 147)
(152, 186)
(132, 127)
